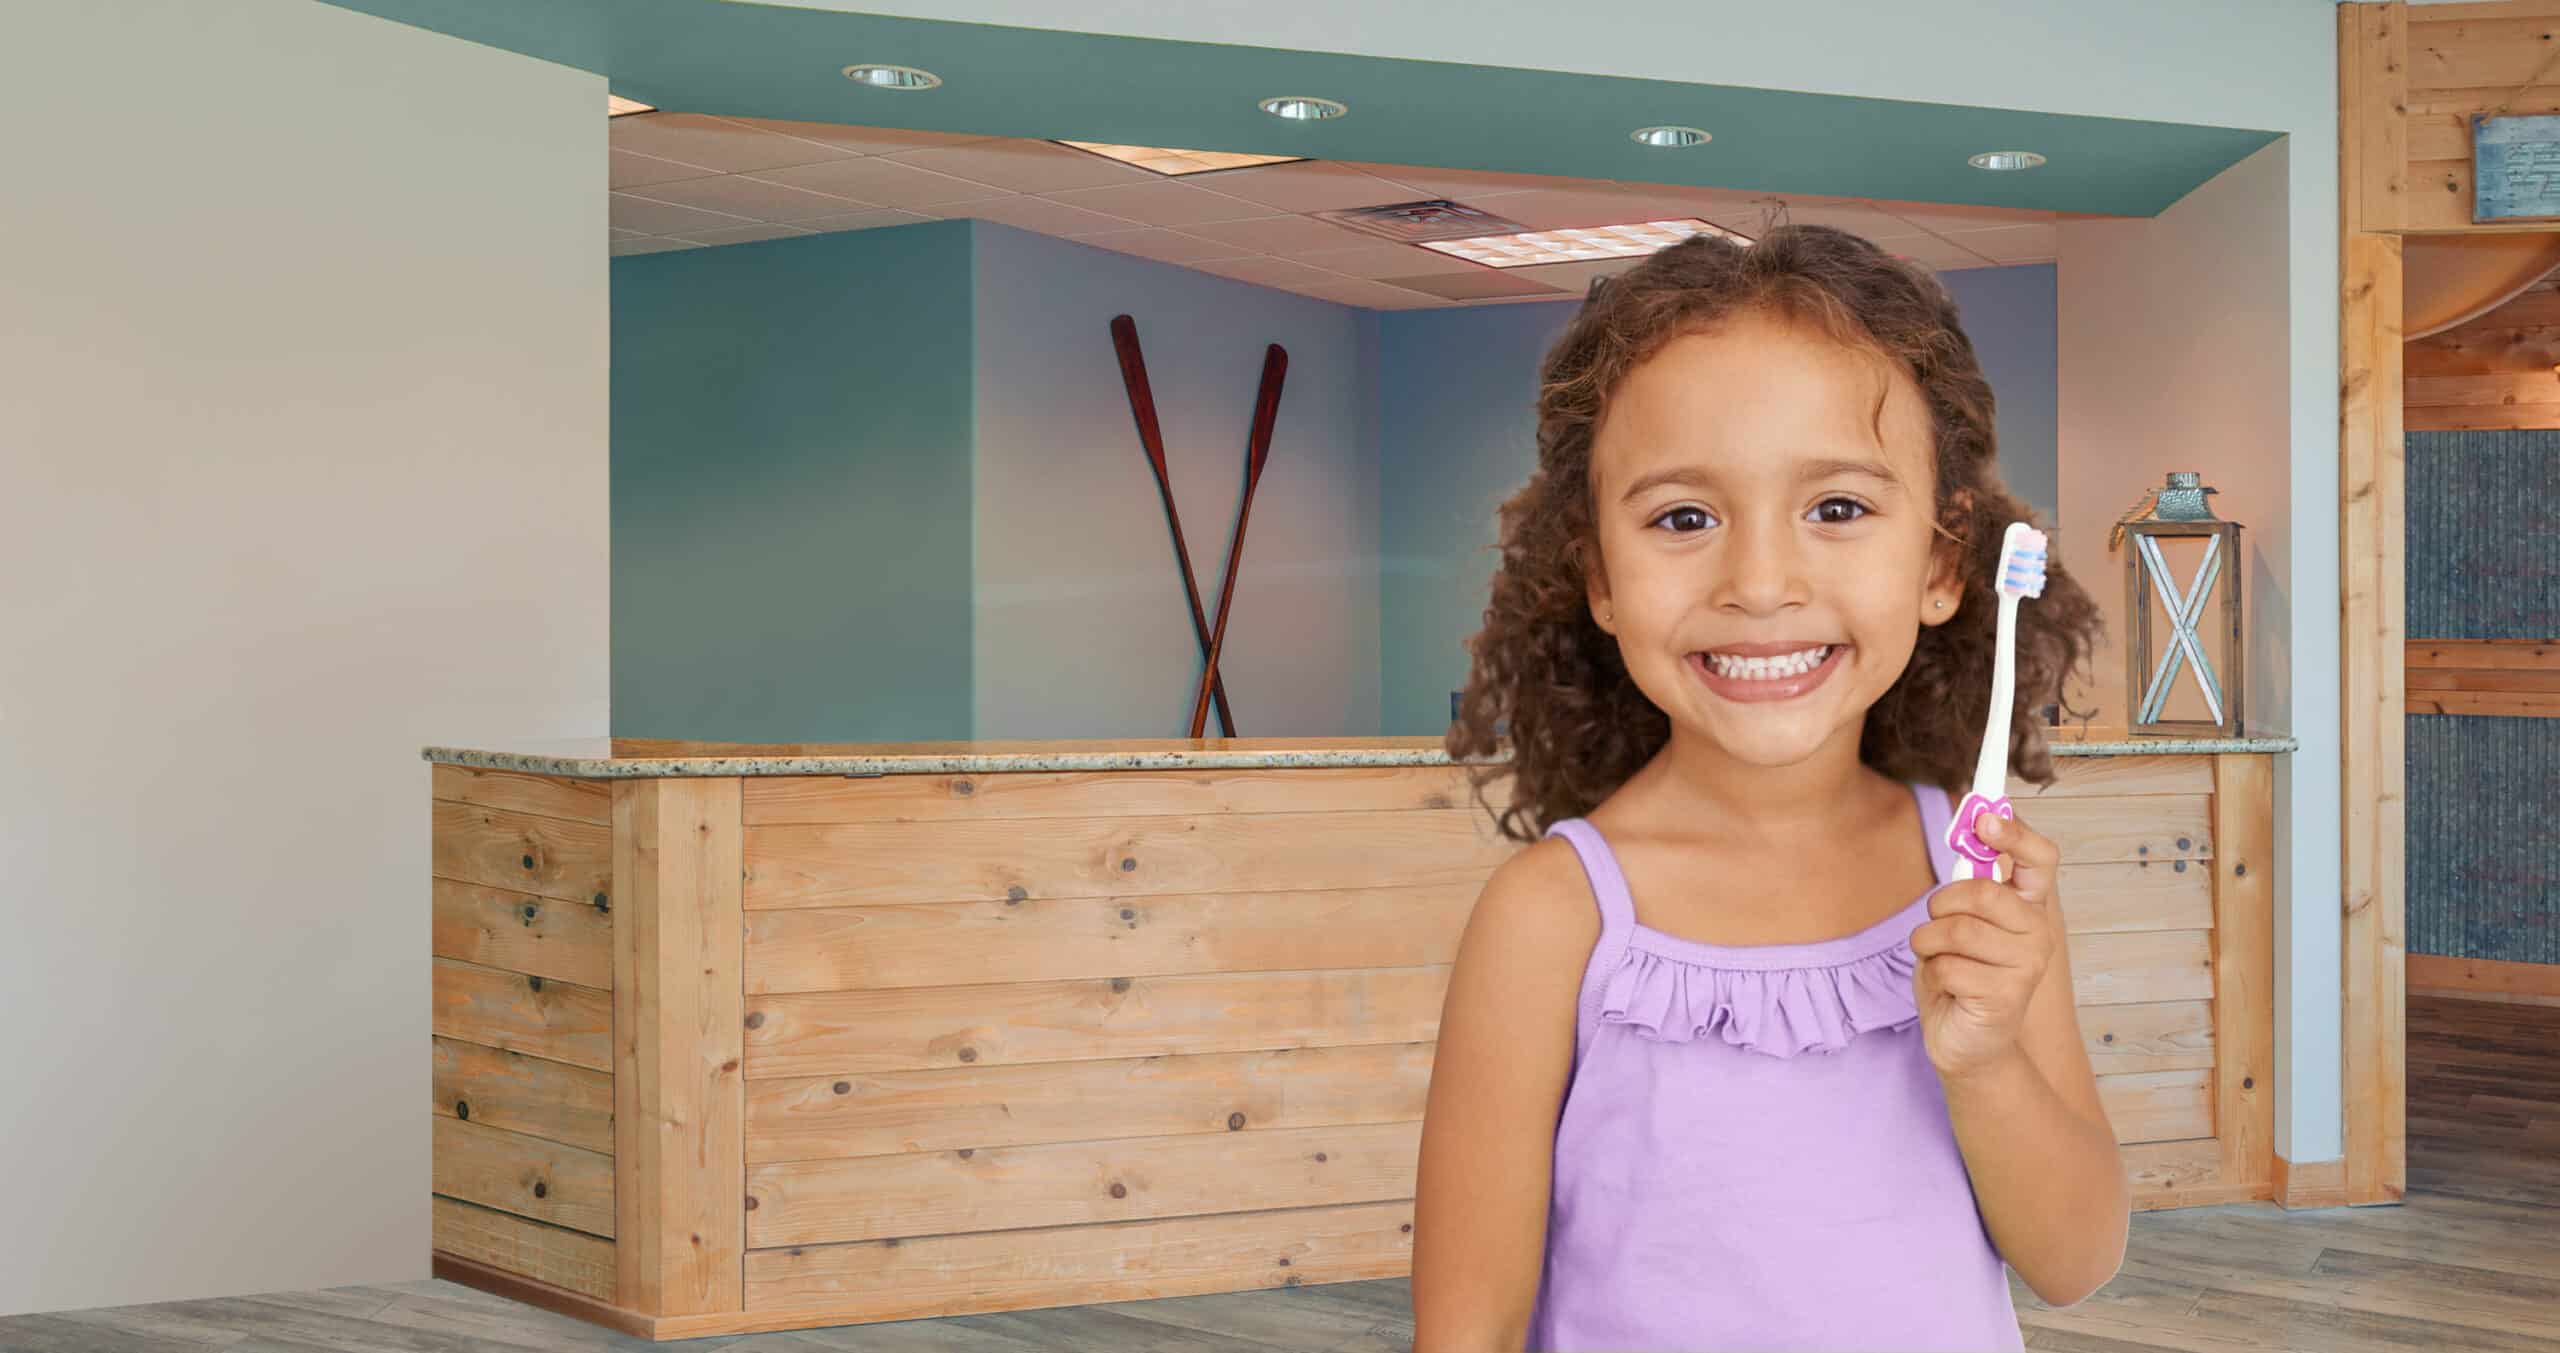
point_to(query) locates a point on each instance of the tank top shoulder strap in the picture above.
(1600, 865)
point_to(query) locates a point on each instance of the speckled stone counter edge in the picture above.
(648, 768)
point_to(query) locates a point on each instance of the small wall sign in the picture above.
(2515, 167)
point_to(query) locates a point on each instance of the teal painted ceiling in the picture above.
(767, 61)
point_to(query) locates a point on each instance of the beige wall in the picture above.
(302, 465)
(2173, 355)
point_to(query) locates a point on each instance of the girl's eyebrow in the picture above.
(1826, 468)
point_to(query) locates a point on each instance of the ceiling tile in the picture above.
(1756, 216)
(1281, 234)
(643, 244)
(883, 181)
(864, 220)
(1463, 184)
(853, 140)
(1382, 259)
(1932, 252)
(1564, 209)
(631, 169)
(1162, 202)
(1164, 246)
(665, 218)
(744, 234)
(1310, 185)
(717, 144)
(1040, 214)
(1269, 272)
(1942, 217)
(1481, 284)
(1695, 201)
(1370, 295)
(613, 232)
(2014, 244)
(1025, 166)
(1576, 277)
(753, 198)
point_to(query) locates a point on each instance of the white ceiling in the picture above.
(686, 181)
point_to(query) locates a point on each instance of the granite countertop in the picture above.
(652, 758)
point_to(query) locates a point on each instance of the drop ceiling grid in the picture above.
(683, 180)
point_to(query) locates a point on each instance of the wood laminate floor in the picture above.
(2470, 1262)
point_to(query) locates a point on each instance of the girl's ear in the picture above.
(1595, 590)
(1944, 594)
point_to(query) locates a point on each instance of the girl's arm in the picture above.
(2047, 1173)
(1497, 1083)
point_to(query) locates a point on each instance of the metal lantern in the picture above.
(2167, 632)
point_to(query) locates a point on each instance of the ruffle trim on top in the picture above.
(1779, 1012)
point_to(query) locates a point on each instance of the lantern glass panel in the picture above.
(2183, 625)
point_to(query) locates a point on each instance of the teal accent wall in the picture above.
(1457, 396)
(2010, 315)
(792, 434)
(785, 61)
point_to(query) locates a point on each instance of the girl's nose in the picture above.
(1759, 571)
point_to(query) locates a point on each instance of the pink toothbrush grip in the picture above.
(1961, 834)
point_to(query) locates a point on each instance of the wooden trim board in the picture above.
(2484, 979)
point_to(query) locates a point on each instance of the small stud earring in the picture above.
(1942, 605)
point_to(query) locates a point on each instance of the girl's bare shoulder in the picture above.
(1536, 911)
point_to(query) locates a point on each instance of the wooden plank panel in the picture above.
(2376, 131)
(2154, 1036)
(554, 1101)
(679, 1096)
(1074, 1183)
(2180, 1174)
(2489, 346)
(2244, 994)
(517, 791)
(887, 1113)
(2496, 704)
(2158, 1106)
(549, 856)
(2103, 830)
(1115, 1261)
(2503, 417)
(869, 863)
(2116, 777)
(959, 943)
(2493, 56)
(2439, 198)
(772, 800)
(834, 1033)
(2105, 898)
(547, 1181)
(545, 936)
(563, 1258)
(2506, 680)
(557, 1020)
(2433, 975)
(2495, 389)
(2482, 654)
(2145, 966)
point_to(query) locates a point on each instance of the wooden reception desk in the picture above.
(734, 1038)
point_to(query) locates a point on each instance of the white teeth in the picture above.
(1768, 669)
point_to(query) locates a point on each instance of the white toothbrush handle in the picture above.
(1991, 769)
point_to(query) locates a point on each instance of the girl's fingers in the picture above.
(1957, 975)
(1973, 938)
(2033, 859)
(1996, 903)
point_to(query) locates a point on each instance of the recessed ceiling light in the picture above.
(617, 106)
(1302, 108)
(1580, 246)
(1174, 163)
(892, 77)
(1671, 138)
(2005, 160)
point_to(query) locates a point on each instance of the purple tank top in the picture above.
(1754, 1152)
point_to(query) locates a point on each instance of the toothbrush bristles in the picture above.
(2022, 563)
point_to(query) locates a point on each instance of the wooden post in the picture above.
(678, 1011)
(2244, 864)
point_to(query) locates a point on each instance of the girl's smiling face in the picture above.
(1766, 540)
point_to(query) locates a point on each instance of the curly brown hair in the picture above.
(1549, 702)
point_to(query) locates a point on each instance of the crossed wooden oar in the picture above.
(1266, 411)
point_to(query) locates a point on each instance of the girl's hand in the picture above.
(1983, 951)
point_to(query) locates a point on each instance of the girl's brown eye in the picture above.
(1856, 510)
(1683, 520)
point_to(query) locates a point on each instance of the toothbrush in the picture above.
(2022, 554)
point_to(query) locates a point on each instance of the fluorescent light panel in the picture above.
(1579, 246)
(1175, 163)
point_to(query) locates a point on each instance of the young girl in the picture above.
(1727, 1062)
